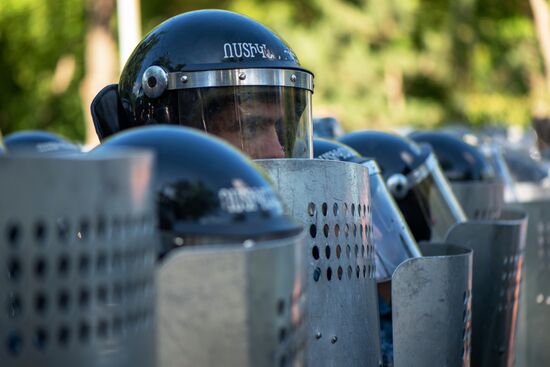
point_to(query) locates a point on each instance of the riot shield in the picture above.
(498, 260)
(233, 305)
(431, 308)
(78, 255)
(332, 201)
(393, 240)
(534, 311)
(480, 200)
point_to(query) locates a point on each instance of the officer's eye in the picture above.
(256, 123)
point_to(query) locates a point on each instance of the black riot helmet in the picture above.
(38, 142)
(392, 238)
(459, 160)
(415, 180)
(471, 175)
(206, 191)
(327, 127)
(219, 72)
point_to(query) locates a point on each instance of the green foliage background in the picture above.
(377, 64)
(34, 36)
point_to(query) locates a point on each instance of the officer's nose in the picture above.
(269, 146)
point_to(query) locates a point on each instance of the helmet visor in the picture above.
(392, 238)
(262, 121)
(436, 200)
(427, 201)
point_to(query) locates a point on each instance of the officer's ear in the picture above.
(106, 112)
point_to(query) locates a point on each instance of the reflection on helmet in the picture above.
(219, 72)
(393, 240)
(207, 192)
(38, 142)
(424, 197)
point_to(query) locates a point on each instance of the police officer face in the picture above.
(263, 122)
(253, 129)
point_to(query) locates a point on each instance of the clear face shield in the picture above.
(493, 152)
(426, 200)
(266, 113)
(393, 241)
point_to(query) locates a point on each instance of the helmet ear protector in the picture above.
(106, 113)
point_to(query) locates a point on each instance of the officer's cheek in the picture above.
(265, 144)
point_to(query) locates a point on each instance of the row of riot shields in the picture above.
(78, 244)
(81, 284)
(342, 298)
(449, 308)
(512, 290)
(78, 257)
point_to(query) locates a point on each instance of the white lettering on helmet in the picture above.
(336, 154)
(238, 53)
(247, 50)
(226, 48)
(249, 199)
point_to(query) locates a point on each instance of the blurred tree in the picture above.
(377, 63)
(504, 64)
(101, 57)
(365, 54)
(41, 58)
(541, 14)
(541, 118)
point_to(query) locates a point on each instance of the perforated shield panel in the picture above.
(497, 268)
(332, 201)
(77, 254)
(431, 307)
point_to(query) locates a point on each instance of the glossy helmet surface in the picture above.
(206, 191)
(38, 142)
(393, 153)
(459, 160)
